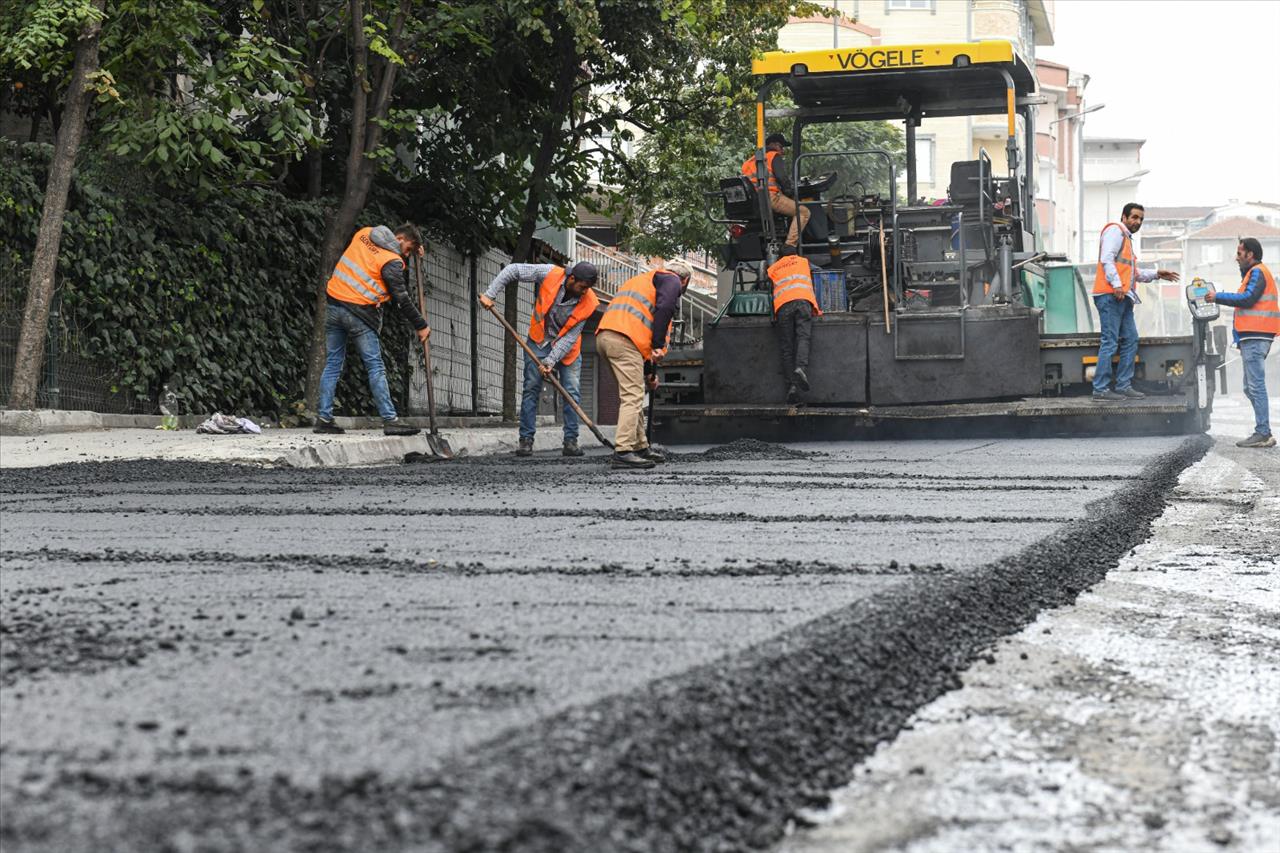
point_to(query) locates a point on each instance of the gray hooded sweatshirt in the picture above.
(393, 276)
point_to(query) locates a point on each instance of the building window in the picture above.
(907, 5)
(1210, 254)
(924, 162)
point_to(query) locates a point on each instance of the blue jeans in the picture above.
(1119, 331)
(568, 374)
(340, 326)
(1253, 355)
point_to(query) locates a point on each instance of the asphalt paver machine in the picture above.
(933, 313)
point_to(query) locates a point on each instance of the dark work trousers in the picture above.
(795, 330)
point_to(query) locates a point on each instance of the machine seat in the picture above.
(966, 188)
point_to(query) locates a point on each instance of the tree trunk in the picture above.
(29, 357)
(315, 174)
(552, 136)
(366, 135)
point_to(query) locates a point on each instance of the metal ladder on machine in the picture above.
(916, 333)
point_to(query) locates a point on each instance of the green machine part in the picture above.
(1062, 300)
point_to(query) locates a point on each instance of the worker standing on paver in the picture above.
(632, 338)
(563, 304)
(1255, 326)
(782, 195)
(794, 306)
(370, 272)
(1115, 293)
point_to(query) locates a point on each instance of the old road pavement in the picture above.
(517, 655)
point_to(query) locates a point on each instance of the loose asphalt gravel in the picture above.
(501, 654)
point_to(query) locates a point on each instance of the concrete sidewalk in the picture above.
(292, 448)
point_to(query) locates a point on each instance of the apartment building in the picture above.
(1059, 169)
(1112, 176)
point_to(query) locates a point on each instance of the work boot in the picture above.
(629, 459)
(799, 377)
(398, 427)
(1258, 440)
(1108, 396)
(654, 456)
(793, 394)
(1131, 393)
(327, 428)
(571, 448)
(525, 447)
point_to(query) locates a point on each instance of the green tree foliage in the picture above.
(206, 299)
(675, 167)
(200, 106)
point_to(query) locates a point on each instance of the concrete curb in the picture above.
(47, 421)
(390, 450)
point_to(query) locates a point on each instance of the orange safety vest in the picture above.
(630, 312)
(749, 169)
(358, 276)
(547, 293)
(792, 280)
(1126, 264)
(1263, 315)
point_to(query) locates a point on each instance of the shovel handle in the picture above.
(555, 383)
(884, 278)
(426, 346)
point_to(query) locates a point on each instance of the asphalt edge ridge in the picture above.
(782, 722)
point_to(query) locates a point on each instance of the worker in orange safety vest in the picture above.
(1255, 327)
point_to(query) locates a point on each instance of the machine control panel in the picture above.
(1201, 308)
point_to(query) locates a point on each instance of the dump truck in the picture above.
(943, 317)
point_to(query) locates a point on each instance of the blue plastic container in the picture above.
(828, 286)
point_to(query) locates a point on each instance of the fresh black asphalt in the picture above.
(499, 654)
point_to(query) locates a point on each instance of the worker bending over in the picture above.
(370, 273)
(1256, 324)
(782, 195)
(632, 338)
(563, 304)
(794, 306)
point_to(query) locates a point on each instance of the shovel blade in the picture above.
(440, 446)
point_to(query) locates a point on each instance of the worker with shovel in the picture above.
(370, 273)
(632, 338)
(563, 304)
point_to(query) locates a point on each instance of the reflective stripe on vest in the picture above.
(546, 300)
(1126, 263)
(749, 169)
(792, 280)
(357, 277)
(1263, 315)
(630, 312)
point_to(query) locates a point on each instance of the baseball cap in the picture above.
(584, 271)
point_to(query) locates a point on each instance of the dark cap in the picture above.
(778, 138)
(584, 271)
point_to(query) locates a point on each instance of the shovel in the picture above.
(555, 383)
(439, 444)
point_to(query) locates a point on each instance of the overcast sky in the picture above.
(1200, 81)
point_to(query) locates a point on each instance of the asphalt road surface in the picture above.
(510, 654)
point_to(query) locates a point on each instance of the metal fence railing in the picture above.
(70, 378)
(615, 267)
